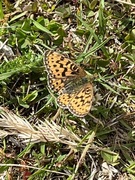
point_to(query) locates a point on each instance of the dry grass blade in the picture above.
(4, 133)
(126, 2)
(12, 124)
(82, 158)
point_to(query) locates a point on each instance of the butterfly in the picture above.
(70, 82)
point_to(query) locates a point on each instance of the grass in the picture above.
(38, 140)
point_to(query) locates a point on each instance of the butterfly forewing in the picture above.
(56, 85)
(60, 67)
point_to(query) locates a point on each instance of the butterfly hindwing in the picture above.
(81, 102)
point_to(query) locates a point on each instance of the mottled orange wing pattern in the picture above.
(62, 74)
(80, 103)
(64, 99)
(61, 70)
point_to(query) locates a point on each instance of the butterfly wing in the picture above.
(80, 103)
(56, 85)
(64, 99)
(61, 70)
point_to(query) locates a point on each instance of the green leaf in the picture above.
(131, 168)
(18, 16)
(22, 103)
(42, 28)
(31, 97)
(64, 12)
(1, 11)
(109, 156)
(6, 75)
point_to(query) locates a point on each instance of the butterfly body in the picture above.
(71, 83)
(75, 84)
